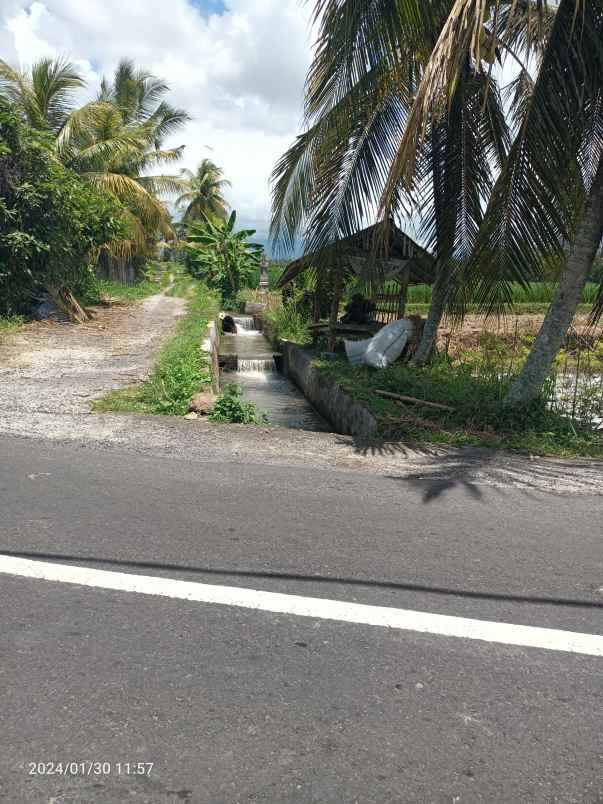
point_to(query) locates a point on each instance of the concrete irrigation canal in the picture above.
(249, 360)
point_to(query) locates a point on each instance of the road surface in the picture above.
(336, 686)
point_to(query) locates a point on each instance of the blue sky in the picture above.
(210, 6)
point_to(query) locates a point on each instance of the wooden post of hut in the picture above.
(404, 283)
(337, 291)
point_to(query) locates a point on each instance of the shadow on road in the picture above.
(288, 576)
(443, 469)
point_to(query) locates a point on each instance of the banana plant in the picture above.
(221, 256)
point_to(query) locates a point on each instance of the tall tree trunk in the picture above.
(434, 317)
(560, 314)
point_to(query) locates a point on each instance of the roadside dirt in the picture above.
(51, 373)
(59, 369)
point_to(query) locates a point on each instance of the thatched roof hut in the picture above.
(406, 262)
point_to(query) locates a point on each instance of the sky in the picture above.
(237, 66)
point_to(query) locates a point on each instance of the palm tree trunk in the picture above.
(434, 317)
(560, 314)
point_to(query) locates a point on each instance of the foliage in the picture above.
(108, 289)
(291, 321)
(202, 197)
(222, 257)
(476, 392)
(51, 223)
(10, 324)
(404, 115)
(231, 407)
(116, 142)
(44, 96)
(530, 293)
(181, 368)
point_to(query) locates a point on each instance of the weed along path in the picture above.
(51, 373)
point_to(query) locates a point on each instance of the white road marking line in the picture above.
(319, 608)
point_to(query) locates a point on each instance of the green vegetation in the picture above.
(108, 289)
(10, 324)
(534, 293)
(405, 115)
(51, 222)
(476, 392)
(115, 144)
(231, 407)
(222, 257)
(291, 321)
(180, 370)
(203, 193)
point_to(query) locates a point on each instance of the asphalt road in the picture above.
(240, 705)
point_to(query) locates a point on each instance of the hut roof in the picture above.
(403, 254)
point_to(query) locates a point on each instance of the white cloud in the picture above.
(239, 74)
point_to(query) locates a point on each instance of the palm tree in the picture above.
(116, 143)
(45, 96)
(389, 128)
(203, 196)
(546, 209)
(370, 59)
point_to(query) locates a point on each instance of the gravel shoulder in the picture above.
(51, 373)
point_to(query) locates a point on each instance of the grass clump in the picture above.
(10, 323)
(181, 368)
(291, 321)
(478, 418)
(231, 407)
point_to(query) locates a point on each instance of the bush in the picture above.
(51, 222)
(292, 321)
(231, 407)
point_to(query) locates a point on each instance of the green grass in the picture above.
(479, 417)
(180, 369)
(536, 293)
(10, 324)
(107, 288)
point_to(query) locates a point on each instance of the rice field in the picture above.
(534, 293)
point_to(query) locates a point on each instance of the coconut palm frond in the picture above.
(517, 95)
(46, 95)
(165, 121)
(357, 36)
(539, 195)
(328, 183)
(161, 185)
(203, 192)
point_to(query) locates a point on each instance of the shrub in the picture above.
(292, 321)
(231, 407)
(51, 222)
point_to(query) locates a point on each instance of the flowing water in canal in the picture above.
(256, 373)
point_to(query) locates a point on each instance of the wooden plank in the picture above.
(413, 400)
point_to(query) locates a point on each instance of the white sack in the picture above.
(382, 349)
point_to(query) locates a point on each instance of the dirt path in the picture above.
(51, 373)
(59, 369)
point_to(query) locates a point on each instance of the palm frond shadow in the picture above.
(434, 471)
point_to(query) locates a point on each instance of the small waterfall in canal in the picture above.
(245, 325)
(248, 359)
(255, 366)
